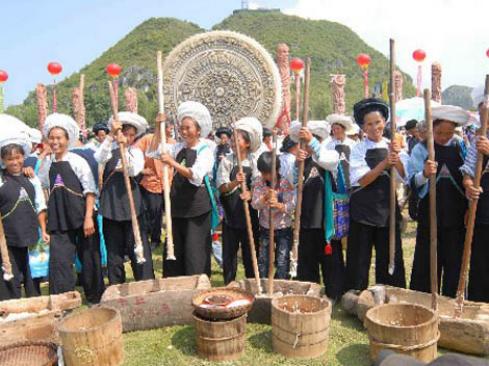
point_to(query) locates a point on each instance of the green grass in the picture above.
(348, 341)
(175, 346)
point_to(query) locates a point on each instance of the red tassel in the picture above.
(328, 249)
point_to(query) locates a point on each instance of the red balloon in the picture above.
(363, 60)
(113, 70)
(419, 55)
(296, 65)
(487, 52)
(55, 68)
(3, 76)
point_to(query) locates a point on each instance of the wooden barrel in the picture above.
(92, 338)
(300, 325)
(404, 328)
(220, 340)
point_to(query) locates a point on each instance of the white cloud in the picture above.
(253, 5)
(451, 32)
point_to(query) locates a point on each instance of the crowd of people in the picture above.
(71, 195)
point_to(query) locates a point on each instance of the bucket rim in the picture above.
(115, 315)
(328, 308)
(434, 319)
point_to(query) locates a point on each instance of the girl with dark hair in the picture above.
(229, 180)
(22, 209)
(281, 199)
(72, 223)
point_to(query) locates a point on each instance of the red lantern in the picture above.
(55, 68)
(113, 70)
(363, 60)
(419, 55)
(296, 65)
(3, 76)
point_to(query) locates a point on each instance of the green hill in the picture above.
(332, 47)
(458, 95)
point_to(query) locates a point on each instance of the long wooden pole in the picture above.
(392, 202)
(170, 248)
(138, 244)
(271, 241)
(6, 264)
(433, 219)
(300, 183)
(484, 117)
(249, 227)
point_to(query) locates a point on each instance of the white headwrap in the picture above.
(340, 119)
(35, 136)
(132, 119)
(355, 130)
(8, 120)
(199, 113)
(254, 129)
(65, 122)
(12, 134)
(318, 128)
(450, 113)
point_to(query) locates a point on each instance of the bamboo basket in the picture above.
(29, 354)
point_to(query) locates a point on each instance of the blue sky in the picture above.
(75, 32)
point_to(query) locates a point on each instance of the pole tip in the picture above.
(391, 269)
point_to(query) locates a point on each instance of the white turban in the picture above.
(8, 120)
(318, 128)
(254, 129)
(199, 113)
(340, 119)
(35, 135)
(355, 130)
(65, 122)
(11, 134)
(450, 113)
(132, 119)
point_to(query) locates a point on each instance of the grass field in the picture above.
(348, 341)
(175, 346)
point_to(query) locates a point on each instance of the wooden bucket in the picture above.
(92, 338)
(404, 328)
(220, 340)
(300, 325)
